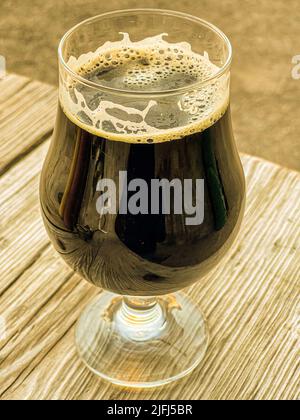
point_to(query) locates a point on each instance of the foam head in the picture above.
(146, 91)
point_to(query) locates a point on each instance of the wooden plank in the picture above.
(10, 85)
(251, 301)
(22, 234)
(38, 310)
(26, 118)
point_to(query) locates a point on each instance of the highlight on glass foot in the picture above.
(142, 191)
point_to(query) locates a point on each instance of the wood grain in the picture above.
(27, 111)
(251, 300)
(22, 235)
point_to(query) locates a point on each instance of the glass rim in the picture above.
(123, 12)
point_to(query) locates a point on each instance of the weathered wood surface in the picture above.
(251, 301)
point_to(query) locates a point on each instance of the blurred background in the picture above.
(264, 34)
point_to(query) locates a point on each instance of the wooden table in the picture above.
(251, 300)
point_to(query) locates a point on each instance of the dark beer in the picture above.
(141, 254)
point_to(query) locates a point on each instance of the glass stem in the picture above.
(140, 318)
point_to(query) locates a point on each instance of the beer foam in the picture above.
(145, 91)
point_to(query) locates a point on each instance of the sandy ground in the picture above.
(264, 34)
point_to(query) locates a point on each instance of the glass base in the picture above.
(141, 342)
